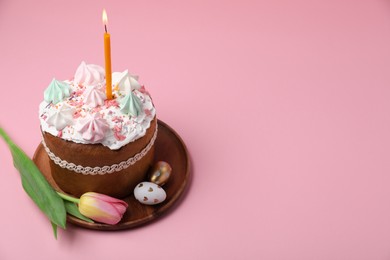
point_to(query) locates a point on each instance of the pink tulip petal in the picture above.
(104, 212)
(121, 208)
(102, 208)
(104, 197)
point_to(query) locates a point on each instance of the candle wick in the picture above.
(105, 27)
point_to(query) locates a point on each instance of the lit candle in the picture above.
(107, 57)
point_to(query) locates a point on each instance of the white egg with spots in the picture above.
(149, 193)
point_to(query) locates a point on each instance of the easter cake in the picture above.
(94, 143)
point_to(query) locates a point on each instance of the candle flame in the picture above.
(104, 17)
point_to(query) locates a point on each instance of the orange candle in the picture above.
(107, 57)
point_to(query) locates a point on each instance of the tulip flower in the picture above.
(102, 208)
(99, 207)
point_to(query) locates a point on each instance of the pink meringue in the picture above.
(94, 96)
(93, 128)
(89, 74)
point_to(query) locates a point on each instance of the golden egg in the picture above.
(160, 173)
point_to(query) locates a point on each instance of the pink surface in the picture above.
(284, 107)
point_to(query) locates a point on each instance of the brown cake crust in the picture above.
(116, 184)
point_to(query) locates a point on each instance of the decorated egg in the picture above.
(160, 173)
(149, 193)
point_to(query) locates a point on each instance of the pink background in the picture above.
(284, 107)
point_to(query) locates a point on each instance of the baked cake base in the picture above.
(117, 184)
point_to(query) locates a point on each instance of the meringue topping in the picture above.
(93, 128)
(56, 91)
(87, 117)
(89, 74)
(131, 105)
(94, 96)
(125, 81)
(61, 117)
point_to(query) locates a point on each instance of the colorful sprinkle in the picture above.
(147, 112)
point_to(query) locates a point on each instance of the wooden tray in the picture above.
(169, 147)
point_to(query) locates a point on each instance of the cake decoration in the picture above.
(134, 82)
(94, 96)
(160, 173)
(131, 105)
(89, 74)
(125, 82)
(128, 115)
(61, 117)
(149, 193)
(56, 91)
(93, 128)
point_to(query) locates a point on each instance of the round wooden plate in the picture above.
(169, 147)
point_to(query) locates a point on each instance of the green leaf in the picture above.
(36, 186)
(73, 210)
(54, 226)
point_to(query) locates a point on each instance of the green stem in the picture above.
(68, 198)
(6, 138)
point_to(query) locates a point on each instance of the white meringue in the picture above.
(61, 117)
(125, 81)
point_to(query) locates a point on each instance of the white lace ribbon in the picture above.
(86, 170)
